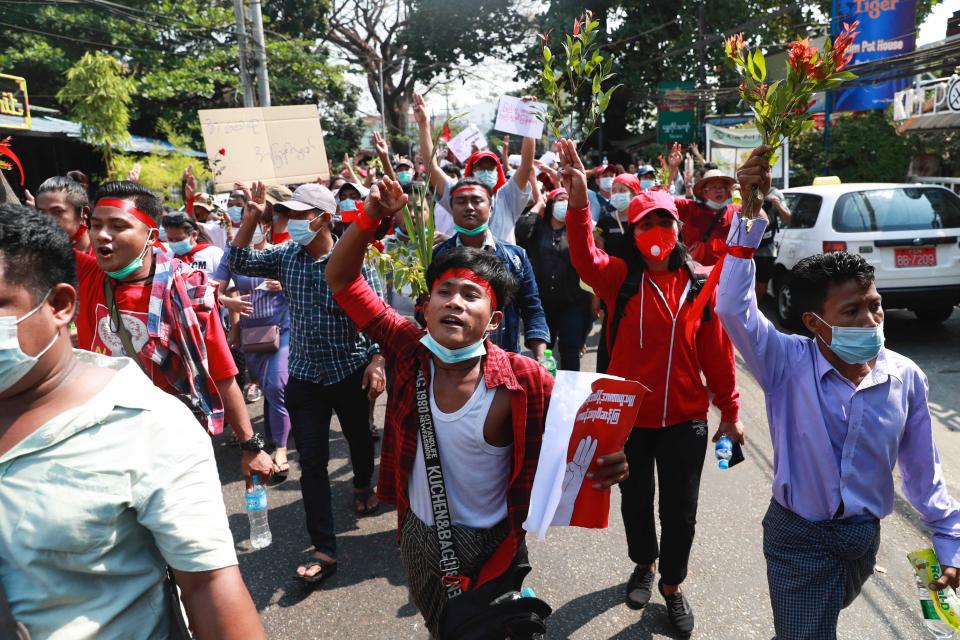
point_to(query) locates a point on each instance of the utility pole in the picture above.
(702, 75)
(383, 108)
(260, 52)
(238, 14)
(828, 97)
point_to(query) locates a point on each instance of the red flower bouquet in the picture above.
(780, 108)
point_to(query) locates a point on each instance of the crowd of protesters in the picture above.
(110, 491)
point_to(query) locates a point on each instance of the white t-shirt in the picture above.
(475, 473)
(217, 234)
(508, 206)
(207, 260)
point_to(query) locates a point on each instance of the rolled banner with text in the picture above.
(590, 415)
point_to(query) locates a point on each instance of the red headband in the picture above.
(467, 274)
(469, 187)
(127, 206)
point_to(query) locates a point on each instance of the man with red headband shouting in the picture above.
(138, 301)
(510, 197)
(491, 406)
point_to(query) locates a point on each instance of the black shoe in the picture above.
(679, 611)
(640, 587)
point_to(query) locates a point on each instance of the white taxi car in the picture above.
(910, 233)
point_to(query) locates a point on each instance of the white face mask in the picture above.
(560, 210)
(14, 363)
(257, 235)
(606, 184)
(716, 206)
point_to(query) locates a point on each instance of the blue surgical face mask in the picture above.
(404, 177)
(235, 213)
(471, 232)
(453, 356)
(647, 184)
(348, 204)
(163, 234)
(14, 363)
(180, 247)
(606, 184)
(132, 267)
(855, 345)
(487, 176)
(620, 201)
(300, 231)
(560, 210)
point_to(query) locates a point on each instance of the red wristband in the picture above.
(366, 223)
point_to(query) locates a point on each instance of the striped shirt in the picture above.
(325, 346)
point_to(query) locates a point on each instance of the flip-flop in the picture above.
(362, 497)
(280, 476)
(327, 569)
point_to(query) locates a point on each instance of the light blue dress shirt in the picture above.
(835, 443)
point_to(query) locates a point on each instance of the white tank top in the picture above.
(475, 473)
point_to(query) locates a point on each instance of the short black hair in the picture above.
(75, 193)
(812, 277)
(483, 263)
(78, 176)
(143, 198)
(36, 252)
(179, 220)
(472, 182)
(453, 170)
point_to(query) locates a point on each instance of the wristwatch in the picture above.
(254, 444)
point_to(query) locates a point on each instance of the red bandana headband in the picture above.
(129, 207)
(467, 274)
(469, 187)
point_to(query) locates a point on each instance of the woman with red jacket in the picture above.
(648, 292)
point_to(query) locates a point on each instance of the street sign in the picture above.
(675, 113)
(14, 105)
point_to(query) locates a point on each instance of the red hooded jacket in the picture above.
(650, 346)
(480, 155)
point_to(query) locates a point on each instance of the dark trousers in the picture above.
(678, 452)
(569, 323)
(311, 407)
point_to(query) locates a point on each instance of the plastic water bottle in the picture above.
(936, 628)
(260, 536)
(528, 592)
(549, 362)
(724, 451)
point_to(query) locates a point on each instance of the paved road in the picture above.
(582, 573)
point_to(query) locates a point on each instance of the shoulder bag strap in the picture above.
(713, 223)
(453, 581)
(117, 326)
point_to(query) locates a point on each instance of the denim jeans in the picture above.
(311, 406)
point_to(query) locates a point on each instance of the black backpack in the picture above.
(631, 287)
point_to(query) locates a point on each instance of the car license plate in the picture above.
(916, 257)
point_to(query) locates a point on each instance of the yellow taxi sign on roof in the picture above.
(822, 180)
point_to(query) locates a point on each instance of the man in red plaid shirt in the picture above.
(489, 408)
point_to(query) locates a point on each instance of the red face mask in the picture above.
(657, 242)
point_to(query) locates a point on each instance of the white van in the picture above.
(910, 233)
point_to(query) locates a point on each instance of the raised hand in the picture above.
(420, 111)
(381, 145)
(385, 198)
(573, 175)
(573, 479)
(675, 156)
(754, 174)
(189, 183)
(134, 174)
(256, 200)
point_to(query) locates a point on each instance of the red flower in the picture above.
(576, 27)
(735, 45)
(843, 42)
(800, 53)
(761, 91)
(222, 151)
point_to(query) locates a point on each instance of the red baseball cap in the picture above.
(649, 201)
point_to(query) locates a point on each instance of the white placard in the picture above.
(462, 144)
(276, 145)
(520, 118)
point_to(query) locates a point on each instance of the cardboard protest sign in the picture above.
(520, 118)
(462, 144)
(276, 145)
(590, 415)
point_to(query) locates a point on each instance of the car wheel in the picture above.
(934, 315)
(785, 310)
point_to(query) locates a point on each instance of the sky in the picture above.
(478, 94)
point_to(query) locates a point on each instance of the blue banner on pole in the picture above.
(887, 28)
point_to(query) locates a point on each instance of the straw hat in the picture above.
(712, 174)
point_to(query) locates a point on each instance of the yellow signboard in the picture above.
(14, 104)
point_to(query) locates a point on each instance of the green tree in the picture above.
(99, 97)
(863, 148)
(183, 56)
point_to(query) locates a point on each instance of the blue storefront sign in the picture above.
(887, 28)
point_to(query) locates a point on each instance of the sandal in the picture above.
(252, 393)
(280, 476)
(327, 569)
(361, 500)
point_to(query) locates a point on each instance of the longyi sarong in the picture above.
(815, 569)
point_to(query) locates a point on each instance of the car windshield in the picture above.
(897, 209)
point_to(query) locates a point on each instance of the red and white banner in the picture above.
(590, 415)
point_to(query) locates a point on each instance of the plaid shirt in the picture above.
(529, 386)
(325, 346)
